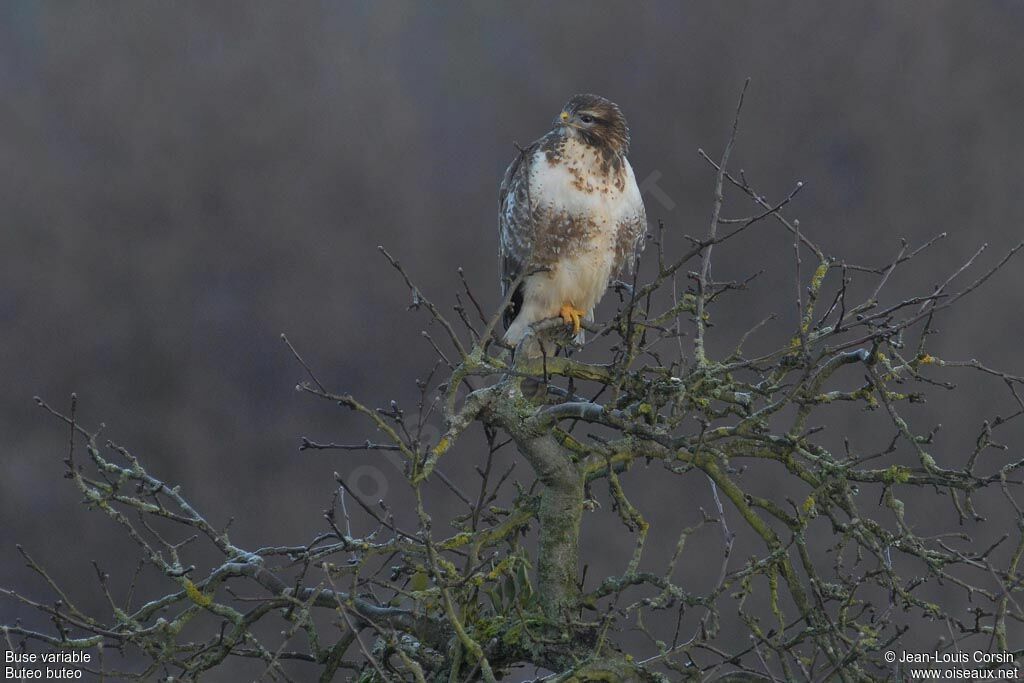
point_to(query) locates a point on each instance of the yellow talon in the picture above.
(572, 316)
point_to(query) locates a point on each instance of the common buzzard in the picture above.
(570, 218)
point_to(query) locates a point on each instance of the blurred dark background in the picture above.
(182, 182)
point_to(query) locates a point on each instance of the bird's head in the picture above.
(596, 121)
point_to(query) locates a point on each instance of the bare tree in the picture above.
(837, 567)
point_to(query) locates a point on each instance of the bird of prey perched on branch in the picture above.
(570, 218)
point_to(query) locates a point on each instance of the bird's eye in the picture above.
(587, 118)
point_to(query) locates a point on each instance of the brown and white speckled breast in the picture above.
(584, 202)
(571, 212)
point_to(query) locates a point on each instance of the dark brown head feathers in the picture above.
(597, 121)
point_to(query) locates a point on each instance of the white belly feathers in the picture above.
(581, 258)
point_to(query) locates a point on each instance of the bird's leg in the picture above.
(572, 316)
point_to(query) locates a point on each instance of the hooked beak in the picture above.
(563, 119)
